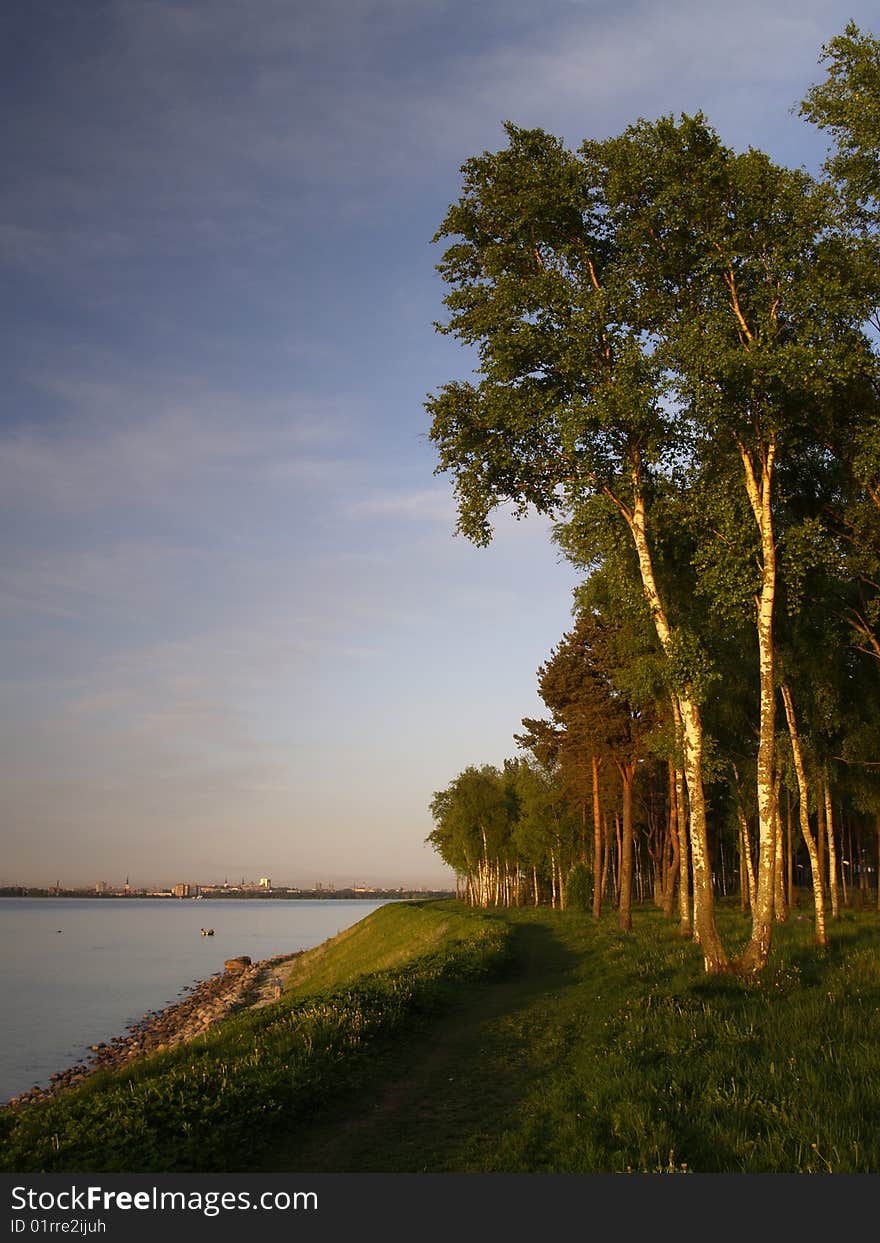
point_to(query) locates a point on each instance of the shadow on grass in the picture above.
(410, 1104)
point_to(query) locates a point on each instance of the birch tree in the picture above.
(570, 402)
(757, 310)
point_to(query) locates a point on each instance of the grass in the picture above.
(400, 932)
(432, 1038)
(218, 1101)
(602, 1052)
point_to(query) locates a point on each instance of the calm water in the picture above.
(75, 971)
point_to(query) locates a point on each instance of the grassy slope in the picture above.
(394, 935)
(602, 1052)
(216, 1102)
(509, 1041)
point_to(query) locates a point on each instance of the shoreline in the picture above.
(242, 985)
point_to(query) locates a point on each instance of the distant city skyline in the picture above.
(192, 888)
(235, 621)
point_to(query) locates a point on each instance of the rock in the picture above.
(237, 964)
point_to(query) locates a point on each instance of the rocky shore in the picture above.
(241, 985)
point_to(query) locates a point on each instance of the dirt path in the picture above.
(420, 1104)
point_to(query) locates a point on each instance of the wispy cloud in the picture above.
(428, 505)
(125, 446)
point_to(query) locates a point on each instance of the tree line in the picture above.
(677, 361)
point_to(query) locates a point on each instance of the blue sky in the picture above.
(239, 635)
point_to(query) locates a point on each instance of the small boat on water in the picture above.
(207, 932)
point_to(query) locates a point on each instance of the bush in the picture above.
(580, 887)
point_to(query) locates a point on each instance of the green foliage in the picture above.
(580, 887)
(678, 363)
(847, 104)
(690, 666)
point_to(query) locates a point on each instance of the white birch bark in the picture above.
(759, 492)
(803, 807)
(747, 855)
(705, 929)
(832, 849)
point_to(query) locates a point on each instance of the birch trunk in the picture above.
(624, 914)
(606, 856)
(789, 834)
(686, 928)
(780, 906)
(598, 864)
(748, 863)
(675, 844)
(759, 493)
(714, 957)
(812, 849)
(832, 850)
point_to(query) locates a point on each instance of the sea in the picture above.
(76, 971)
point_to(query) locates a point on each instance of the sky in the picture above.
(240, 637)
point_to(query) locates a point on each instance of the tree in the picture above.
(847, 104)
(756, 306)
(571, 400)
(599, 721)
(474, 816)
(659, 317)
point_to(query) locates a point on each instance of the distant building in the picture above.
(182, 889)
(101, 886)
(265, 883)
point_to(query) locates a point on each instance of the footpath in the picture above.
(431, 1103)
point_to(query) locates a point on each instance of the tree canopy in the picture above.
(677, 362)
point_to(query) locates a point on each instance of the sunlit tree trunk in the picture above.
(789, 835)
(674, 868)
(624, 914)
(606, 854)
(681, 814)
(714, 956)
(747, 856)
(599, 864)
(780, 906)
(832, 850)
(812, 849)
(757, 951)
